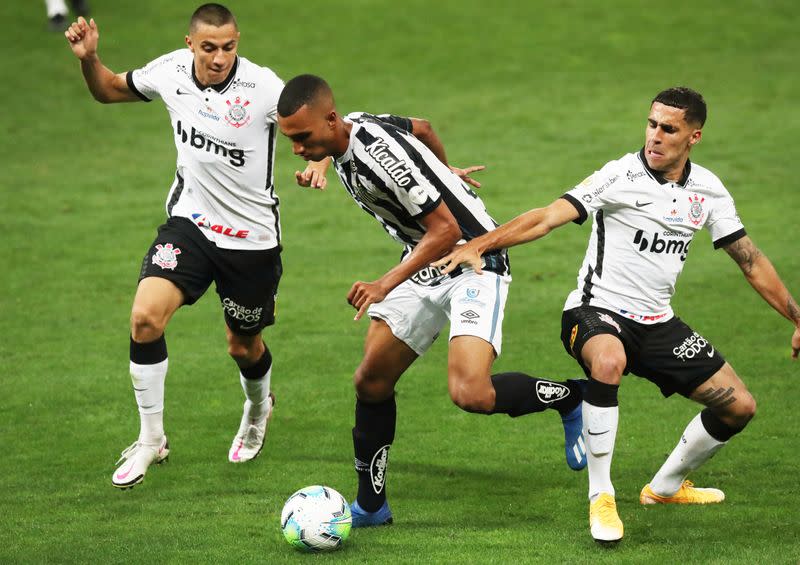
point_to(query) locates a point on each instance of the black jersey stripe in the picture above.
(587, 287)
(270, 155)
(177, 190)
(601, 242)
(389, 200)
(469, 224)
(396, 224)
(600, 252)
(495, 261)
(369, 173)
(400, 122)
(270, 182)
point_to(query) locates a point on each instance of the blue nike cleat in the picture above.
(574, 446)
(364, 519)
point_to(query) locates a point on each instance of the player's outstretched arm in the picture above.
(441, 233)
(526, 227)
(314, 175)
(762, 276)
(105, 86)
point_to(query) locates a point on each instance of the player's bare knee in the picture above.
(608, 368)
(238, 351)
(470, 399)
(145, 327)
(744, 410)
(370, 387)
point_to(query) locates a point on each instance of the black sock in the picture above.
(601, 394)
(260, 367)
(373, 435)
(716, 428)
(149, 353)
(517, 394)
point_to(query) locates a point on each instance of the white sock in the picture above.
(56, 7)
(256, 391)
(148, 386)
(695, 448)
(600, 433)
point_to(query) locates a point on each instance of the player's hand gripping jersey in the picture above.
(225, 137)
(396, 179)
(643, 227)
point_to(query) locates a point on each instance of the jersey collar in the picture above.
(221, 87)
(659, 177)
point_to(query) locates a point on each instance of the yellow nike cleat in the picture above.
(604, 520)
(687, 494)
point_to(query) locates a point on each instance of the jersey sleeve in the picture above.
(401, 165)
(724, 223)
(274, 86)
(396, 121)
(147, 81)
(594, 192)
(399, 122)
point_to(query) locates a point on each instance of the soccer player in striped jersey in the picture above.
(647, 207)
(396, 170)
(222, 217)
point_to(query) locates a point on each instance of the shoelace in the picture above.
(607, 510)
(252, 436)
(128, 452)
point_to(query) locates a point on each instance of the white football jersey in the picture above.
(225, 136)
(643, 227)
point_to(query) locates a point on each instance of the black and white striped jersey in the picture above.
(225, 137)
(397, 180)
(643, 225)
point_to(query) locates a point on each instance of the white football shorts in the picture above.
(473, 303)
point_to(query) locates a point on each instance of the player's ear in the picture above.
(696, 135)
(331, 117)
(189, 43)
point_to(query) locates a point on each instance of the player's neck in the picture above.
(676, 173)
(343, 138)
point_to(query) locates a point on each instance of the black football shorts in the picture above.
(670, 354)
(246, 281)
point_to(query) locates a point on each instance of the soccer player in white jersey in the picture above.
(647, 206)
(395, 168)
(222, 217)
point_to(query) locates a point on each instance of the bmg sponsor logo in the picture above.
(659, 246)
(199, 141)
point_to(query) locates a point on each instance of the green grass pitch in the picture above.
(543, 93)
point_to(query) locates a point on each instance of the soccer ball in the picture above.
(316, 518)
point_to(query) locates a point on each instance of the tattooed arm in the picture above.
(763, 277)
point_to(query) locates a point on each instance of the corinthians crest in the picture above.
(166, 256)
(237, 115)
(696, 212)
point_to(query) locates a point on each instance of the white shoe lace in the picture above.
(254, 435)
(128, 452)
